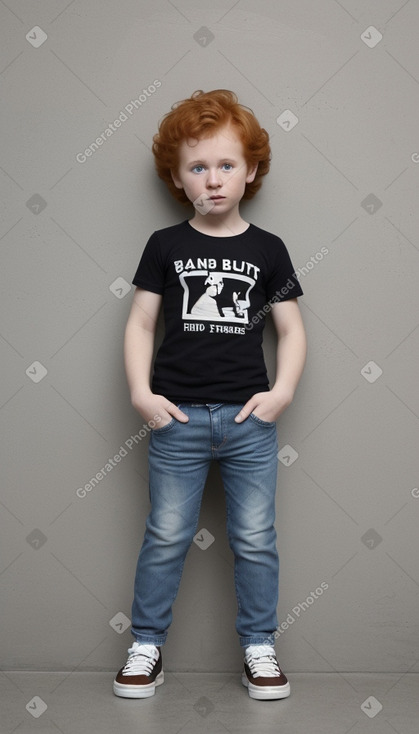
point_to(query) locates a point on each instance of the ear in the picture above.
(175, 178)
(251, 173)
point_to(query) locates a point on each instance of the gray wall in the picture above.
(343, 178)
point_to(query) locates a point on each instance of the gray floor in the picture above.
(76, 703)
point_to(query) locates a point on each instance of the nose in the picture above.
(213, 178)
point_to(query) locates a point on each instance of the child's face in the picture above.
(214, 168)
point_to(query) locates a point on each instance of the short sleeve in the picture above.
(282, 282)
(150, 272)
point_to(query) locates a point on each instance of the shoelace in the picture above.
(262, 661)
(141, 660)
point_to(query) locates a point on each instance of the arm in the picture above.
(138, 353)
(290, 356)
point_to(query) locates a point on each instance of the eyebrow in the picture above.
(222, 160)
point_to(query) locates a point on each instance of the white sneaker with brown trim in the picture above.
(141, 673)
(262, 675)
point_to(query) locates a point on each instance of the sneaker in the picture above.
(141, 673)
(262, 675)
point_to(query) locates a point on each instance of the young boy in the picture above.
(216, 276)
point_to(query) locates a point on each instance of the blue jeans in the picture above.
(179, 459)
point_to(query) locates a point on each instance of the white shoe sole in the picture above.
(126, 691)
(265, 693)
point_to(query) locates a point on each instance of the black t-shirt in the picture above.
(216, 293)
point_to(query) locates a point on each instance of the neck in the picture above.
(219, 226)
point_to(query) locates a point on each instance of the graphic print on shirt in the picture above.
(217, 295)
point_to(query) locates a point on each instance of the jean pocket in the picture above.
(260, 422)
(165, 428)
(168, 425)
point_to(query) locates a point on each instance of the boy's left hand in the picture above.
(267, 406)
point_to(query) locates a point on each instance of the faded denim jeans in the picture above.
(180, 455)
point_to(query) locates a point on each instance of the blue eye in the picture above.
(200, 167)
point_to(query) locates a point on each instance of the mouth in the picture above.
(215, 198)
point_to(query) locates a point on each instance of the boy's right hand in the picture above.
(150, 405)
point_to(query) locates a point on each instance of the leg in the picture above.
(178, 467)
(248, 464)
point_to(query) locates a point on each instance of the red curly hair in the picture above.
(200, 116)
